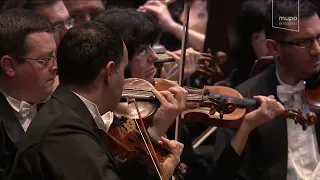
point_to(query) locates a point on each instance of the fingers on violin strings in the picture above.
(179, 92)
(165, 97)
(159, 95)
(168, 96)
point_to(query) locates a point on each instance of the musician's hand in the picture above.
(173, 102)
(160, 10)
(173, 159)
(269, 109)
(191, 61)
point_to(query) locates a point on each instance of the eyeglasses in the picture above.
(69, 23)
(304, 43)
(46, 62)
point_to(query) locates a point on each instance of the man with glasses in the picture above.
(280, 149)
(27, 72)
(54, 10)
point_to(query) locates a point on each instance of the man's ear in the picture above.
(273, 47)
(6, 63)
(110, 70)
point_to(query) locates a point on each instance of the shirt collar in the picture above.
(16, 104)
(103, 122)
(284, 84)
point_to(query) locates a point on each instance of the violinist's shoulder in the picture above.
(258, 83)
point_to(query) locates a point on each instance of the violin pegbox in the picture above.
(217, 104)
(297, 116)
(311, 118)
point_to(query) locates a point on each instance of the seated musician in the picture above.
(27, 71)
(281, 149)
(141, 57)
(65, 139)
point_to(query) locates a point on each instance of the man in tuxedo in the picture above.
(280, 149)
(65, 141)
(54, 10)
(27, 71)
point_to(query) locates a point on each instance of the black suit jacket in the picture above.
(266, 152)
(11, 133)
(64, 142)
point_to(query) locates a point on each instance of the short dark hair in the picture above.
(135, 27)
(15, 25)
(85, 50)
(26, 4)
(286, 8)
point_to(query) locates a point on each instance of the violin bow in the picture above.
(147, 141)
(183, 53)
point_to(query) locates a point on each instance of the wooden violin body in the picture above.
(312, 92)
(225, 107)
(210, 112)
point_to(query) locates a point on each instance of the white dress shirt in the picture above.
(103, 122)
(303, 156)
(24, 111)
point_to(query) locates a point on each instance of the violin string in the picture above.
(140, 93)
(145, 142)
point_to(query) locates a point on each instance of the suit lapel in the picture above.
(67, 97)
(273, 139)
(10, 122)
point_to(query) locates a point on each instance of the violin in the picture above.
(129, 138)
(312, 92)
(229, 107)
(213, 105)
(208, 66)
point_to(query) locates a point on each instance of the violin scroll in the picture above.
(296, 115)
(224, 106)
(214, 103)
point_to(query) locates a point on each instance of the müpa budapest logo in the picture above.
(290, 23)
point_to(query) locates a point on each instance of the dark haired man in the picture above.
(280, 149)
(27, 71)
(65, 139)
